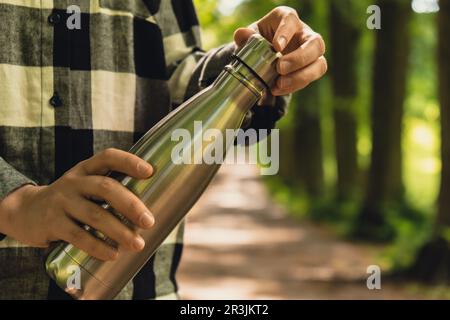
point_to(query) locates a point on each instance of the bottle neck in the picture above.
(247, 77)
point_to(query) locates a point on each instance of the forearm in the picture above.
(206, 70)
(197, 71)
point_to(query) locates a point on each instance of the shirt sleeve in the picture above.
(199, 70)
(10, 180)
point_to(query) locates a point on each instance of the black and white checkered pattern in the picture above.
(67, 94)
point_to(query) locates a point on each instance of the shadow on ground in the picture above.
(241, 245)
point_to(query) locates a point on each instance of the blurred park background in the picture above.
(364, 175)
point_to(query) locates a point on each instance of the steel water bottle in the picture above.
(174, 187)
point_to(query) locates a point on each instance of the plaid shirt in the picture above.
(66, 94)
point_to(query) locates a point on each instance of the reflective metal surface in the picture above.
(174, 188)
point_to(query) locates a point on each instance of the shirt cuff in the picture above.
(10, 180)
(261, 116)
(209, 66)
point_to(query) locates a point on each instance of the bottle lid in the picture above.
(259, 55)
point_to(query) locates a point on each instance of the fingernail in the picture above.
(138, 243)
(285, 67)
(282, 42)
(285, 82)
(147, 220)
(144, 169)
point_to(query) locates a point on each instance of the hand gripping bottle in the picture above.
(175, 186)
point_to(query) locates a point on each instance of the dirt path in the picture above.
(240, 245)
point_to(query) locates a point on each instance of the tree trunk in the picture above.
(433, 260)
(307, 129)
(385, 187)
(344, 36)
(289, 172)
(301, 155)
(444, 96)
(308, 141)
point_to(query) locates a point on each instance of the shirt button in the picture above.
(54, 18)
(56, 101)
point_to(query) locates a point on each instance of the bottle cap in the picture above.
(259, 55)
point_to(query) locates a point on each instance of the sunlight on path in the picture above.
(240, 245)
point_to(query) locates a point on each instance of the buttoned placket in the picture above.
(54, 20)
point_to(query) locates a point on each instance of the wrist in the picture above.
(13, 203)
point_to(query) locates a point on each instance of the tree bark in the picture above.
(308, 141)
(344, 38)
(385, 186)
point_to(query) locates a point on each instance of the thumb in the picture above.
(241, 36)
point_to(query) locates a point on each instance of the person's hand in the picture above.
(303, 49)
(37, 216)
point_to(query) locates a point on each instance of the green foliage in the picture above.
(410, 236)
(411, 222)
(218, 26)
(421, 123)
(353, 10)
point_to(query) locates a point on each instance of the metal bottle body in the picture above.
(171, 191)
